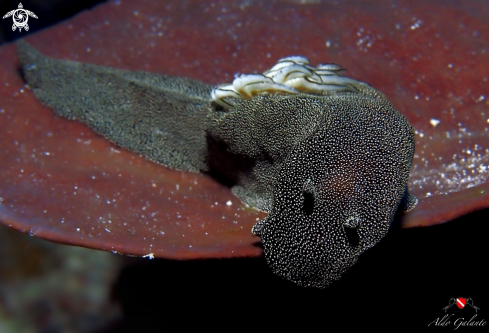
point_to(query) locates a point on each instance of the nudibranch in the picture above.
(328, 157)
(291, 75)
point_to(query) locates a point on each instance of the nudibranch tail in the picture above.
(290, 75)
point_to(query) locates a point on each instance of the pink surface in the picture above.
(60, 181)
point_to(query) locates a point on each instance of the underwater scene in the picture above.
(172, 163)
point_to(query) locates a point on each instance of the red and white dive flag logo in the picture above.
(458, 319)
(461, 302)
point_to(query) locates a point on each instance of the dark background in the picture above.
(403, 282)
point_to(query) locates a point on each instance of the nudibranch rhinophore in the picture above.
(328, 157)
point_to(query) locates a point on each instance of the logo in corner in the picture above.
(20, 17)
(461, 318)
(460, 302)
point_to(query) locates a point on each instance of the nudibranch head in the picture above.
(291, 75)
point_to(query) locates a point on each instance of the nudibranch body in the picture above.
(328, 157)
(291, 75)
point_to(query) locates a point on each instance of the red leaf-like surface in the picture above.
(60, 181)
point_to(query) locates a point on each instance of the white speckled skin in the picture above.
(331, 171)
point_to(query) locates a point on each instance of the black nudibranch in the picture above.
(328, 157)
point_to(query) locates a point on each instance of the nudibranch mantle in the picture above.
(328, 157)
(291, 75)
